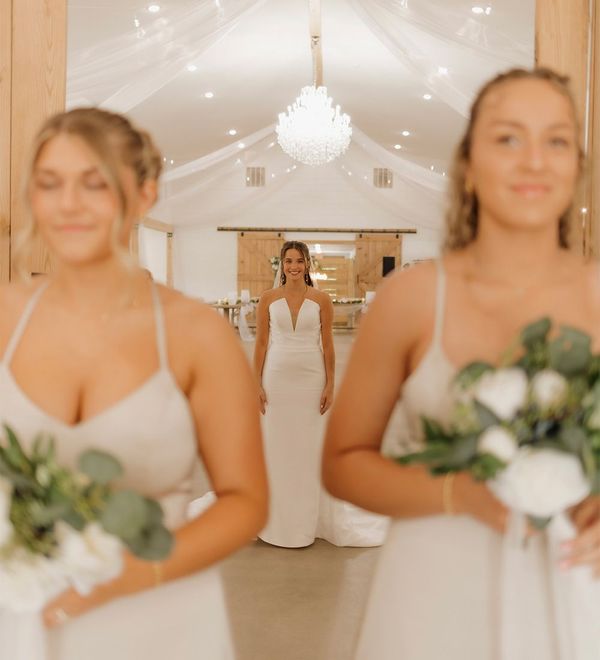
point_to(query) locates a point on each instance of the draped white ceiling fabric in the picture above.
(121, 72)
(450, 52)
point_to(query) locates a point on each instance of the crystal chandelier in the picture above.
(313, 131)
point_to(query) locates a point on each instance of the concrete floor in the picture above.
(297, 604)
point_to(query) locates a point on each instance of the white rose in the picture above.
(498, 442)
(548, 388)
(541, 482)
(503, 391)
(89, 557)
(6, 528)
(28, 582)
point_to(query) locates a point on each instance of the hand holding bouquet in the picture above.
(61, 528)
(530, 428)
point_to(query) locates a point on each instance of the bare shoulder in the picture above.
(267, 297)
(14, 296)
(320, 297)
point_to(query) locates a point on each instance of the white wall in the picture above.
(153, 252)
(205, 261)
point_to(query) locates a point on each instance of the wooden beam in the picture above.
(39, 37)
(5, 134)
(564, 35)
(318, 230)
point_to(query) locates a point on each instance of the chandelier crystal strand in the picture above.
(313, 132)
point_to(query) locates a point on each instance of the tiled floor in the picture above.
(301, 604)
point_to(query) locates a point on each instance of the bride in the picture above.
(99, 356)
(294, 363)
(436, 589)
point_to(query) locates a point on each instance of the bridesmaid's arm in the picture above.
(260, 346)
(328, 351)
(223, 402)
(353, 468)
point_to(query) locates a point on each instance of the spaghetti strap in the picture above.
(159, 321)
(22, 324)
(440, 303)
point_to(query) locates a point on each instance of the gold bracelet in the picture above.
(158, 573)
(447, 489)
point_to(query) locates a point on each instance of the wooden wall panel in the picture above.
(39, 33)
(5, 128)
(562, 43)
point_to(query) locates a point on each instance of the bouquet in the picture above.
(61, 528)
(530, 428)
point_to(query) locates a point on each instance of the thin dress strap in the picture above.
(159, 321)
(440, 303)
(22, 324)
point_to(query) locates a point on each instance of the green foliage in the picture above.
(44, 492)
(570, 352)
(571, 425)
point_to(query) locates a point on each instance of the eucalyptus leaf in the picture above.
(13, 453)
(536, 332)
(125, 515)
(462, 451)
(47, 515)
(155, 544)
(432, 430)
(573, 438)
(472, 373)
(485, 415)
(570, 352)
(100, 466)
(74, 519)
(155, 513)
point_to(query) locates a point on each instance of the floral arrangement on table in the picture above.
(61, 528)
(530, 428)
(348, 301)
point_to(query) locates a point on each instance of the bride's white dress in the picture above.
(293, 429)
(151, 431)
(437, 587)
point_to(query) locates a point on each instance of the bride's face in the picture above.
(294, 265)
(524, 161)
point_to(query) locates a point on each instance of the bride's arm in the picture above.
(353, 468)
(223, 402)
(260, 345)
(326, 307)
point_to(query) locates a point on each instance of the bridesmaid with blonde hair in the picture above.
(99, 356)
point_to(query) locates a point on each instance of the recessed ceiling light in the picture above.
(427, 97)
(477, 9)
(406, 133)
(232, 131)
(241, 145)
(153, 8)
(397, 146)
(208, 95)
(191, 67)
(431, 168)
(442, 70)
(172, 161)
